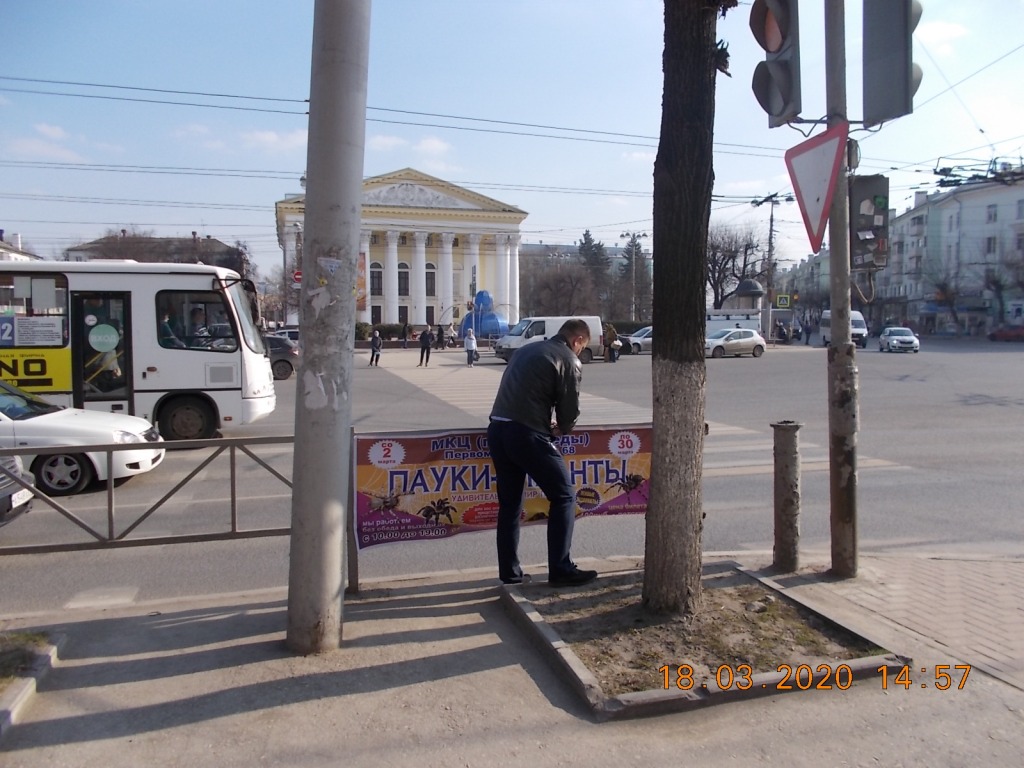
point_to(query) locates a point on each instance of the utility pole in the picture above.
(323, 414)
(842, 364)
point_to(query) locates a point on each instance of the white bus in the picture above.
(177, 344)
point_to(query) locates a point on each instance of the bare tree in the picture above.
(683, 180)
(565, 290)
(731, 258)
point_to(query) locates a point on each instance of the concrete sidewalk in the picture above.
(434, 673)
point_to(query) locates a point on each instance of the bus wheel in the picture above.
(187, 418)
(62, 474)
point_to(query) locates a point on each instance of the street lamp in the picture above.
(634, 248)
(773, 200)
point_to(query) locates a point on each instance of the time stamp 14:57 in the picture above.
(822, 678)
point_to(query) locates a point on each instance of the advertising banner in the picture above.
(431, 485)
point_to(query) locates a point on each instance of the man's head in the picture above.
(576, 333)
(198, 315)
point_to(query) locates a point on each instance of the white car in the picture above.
(27, 421)
(734, 341)
(640, 341)
(898, 340)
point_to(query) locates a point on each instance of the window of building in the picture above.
(373, 239)
(403, 279)
(376, 279)
(1020, 243)
(402, 240)
(403, 315)
(990, 246)
(455, 243)
(431, 280)
(1020, 209)
(990, 214)
(375, 314)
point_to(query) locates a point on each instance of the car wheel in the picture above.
(916, 351)
(586, 356)
(187, 418)
(636, 349)
(718, 352)
(282, 370)
(757, 351)
(62, 474)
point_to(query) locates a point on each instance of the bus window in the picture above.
(196, 320)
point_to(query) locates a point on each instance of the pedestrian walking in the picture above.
(376, 343)
(426, 342)
(404, 336)
(439, 338)
(469, 342)
(523, 440)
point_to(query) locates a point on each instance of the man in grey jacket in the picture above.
(542, 378)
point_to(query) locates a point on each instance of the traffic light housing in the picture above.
(776, 82)
(869, 223)
(890, 75)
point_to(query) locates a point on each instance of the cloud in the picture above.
(938, 36)
(38, 149)
(192, 130)
(53, 132)
(273, 141)
(432, 147)
(644, 157)
(386, 143)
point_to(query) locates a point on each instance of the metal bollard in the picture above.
(787, 495)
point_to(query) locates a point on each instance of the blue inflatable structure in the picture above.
(485, 322)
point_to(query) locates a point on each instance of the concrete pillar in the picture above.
(513, 279)
(787, 495)
(364, 299)
(391, 277)
(501, 274)
(418, 279)
(445, 288)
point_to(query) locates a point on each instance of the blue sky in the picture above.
(74, 167)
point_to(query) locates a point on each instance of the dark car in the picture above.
(14, 499)
(284, 356)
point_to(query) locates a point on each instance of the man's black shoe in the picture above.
(524, 579)
(573, 578)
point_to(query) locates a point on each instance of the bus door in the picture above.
(101, 351)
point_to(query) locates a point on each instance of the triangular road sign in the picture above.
(813, 168)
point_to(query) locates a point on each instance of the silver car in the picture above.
(734, 341)
(641, 341)
(898, 340)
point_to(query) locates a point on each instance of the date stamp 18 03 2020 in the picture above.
(824, 677)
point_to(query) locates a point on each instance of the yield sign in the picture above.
(813, 168)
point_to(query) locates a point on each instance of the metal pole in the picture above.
(842, 364)
(323, 414)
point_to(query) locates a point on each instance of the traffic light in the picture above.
(869, 223)
(776, 83)
(890, 75)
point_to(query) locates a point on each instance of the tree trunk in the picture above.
(683, 180)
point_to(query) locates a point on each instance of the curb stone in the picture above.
(16, 696)
(659, 702)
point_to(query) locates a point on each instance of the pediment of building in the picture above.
(410, 188)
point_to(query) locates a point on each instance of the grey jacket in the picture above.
(541, 378)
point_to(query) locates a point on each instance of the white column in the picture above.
(446, 288)
(501, 274)
(513, 279)
(391, 278)
(418, 279)
(363, 315)
(471, 266)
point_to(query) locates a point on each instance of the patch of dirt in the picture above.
(742, 623)
(17, 653)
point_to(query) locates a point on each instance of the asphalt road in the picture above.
(939, 454)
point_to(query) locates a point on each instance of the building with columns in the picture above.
(427, 247)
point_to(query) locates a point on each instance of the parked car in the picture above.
(15, 500)
(1007, 333)
(28, 422)
(736, 341)
(896, 339)
(640, 341)
(292, 334)
(284, 356)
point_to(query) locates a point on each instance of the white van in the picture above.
(858, 328)
(531, 329)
